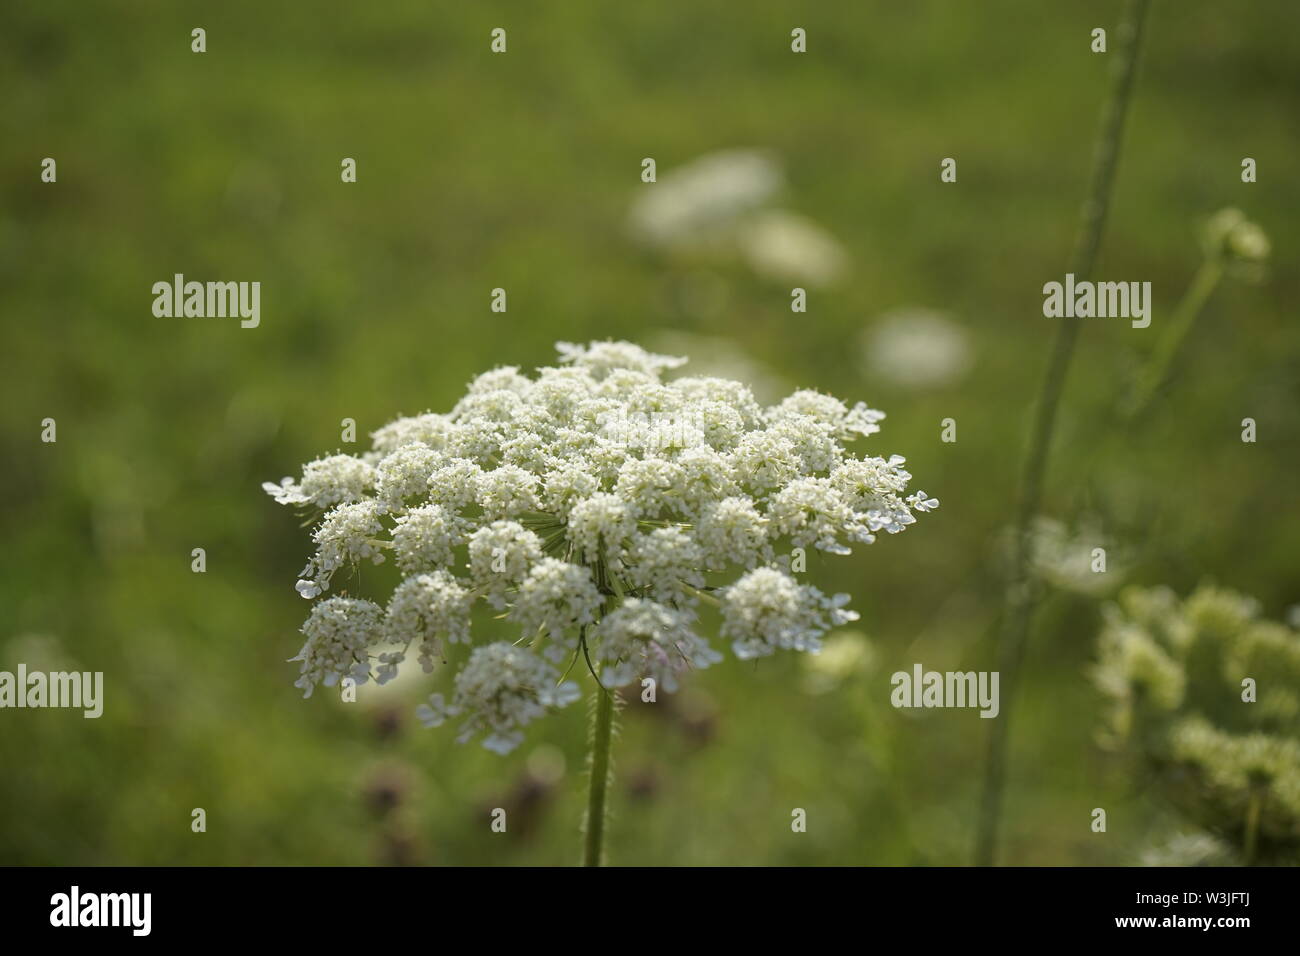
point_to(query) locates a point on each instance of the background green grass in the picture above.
(478, 171)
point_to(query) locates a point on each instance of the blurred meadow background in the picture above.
(522, 171)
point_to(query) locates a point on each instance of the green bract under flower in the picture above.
(600, 509)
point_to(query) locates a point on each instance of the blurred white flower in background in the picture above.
(719, 207)
(1188, 849)
(1173, 671)
(1063, 556)
(40, 652)
(786, 247)
(845, 654)
(704, 197)
(916, 348)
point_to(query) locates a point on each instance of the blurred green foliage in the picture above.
(478, 171)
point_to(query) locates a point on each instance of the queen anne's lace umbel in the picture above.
(1206, 691)
(602, 512)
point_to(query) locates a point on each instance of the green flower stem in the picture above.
(1157, 367)
(1019, 601)
(1254, 809)
(601, 772)
(1107, 434)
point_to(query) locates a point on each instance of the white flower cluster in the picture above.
(1206, 691)
(601, 510)
(501, 689)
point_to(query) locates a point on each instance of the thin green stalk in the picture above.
(1019, 601)
(1109, 433)
(601, 734)
(882, 743)
(1254, 809)
(1157, 367)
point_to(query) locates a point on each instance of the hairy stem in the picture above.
(1019, 601)
(601, 772)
